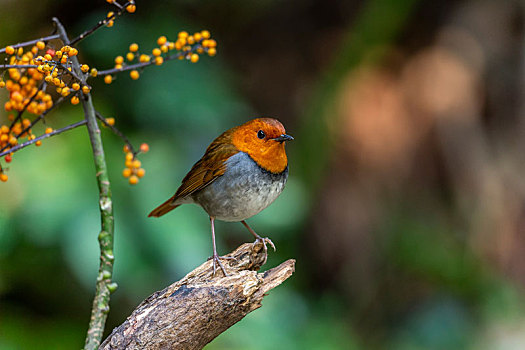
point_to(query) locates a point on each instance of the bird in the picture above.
(241, 173)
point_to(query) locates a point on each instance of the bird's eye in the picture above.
(261, 134)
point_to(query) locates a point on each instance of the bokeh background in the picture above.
(405, 205)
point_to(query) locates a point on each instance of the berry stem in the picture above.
(116, 132)
(100, 308)
(44, 136)
(32, 42)
(151, 62)
(100, 23)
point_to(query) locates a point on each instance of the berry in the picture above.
(144, 147)
(134, 74)
(133, 47)
(4, 177)
(133, 180)
(108, 79)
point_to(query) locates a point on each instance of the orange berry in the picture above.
(4, 177)
(161, 40)
(126, 172)
(133, 180)
(212, 51)
(49, 130)
(144, 58)
(197, 36)
(38, 143)
(110, 121)
(194, 58)
(84, 68)
(108, 79)
(93, 72)
(136, 164)
(73, 52)
(86, 89)
(141, 172)
(205, 34)
(130, 56)
(129, 155)
(75, 100)
(9, 50)
(2, 84)
(133, 47)
(75, 86)
(144, 147)
(41, 45)
(126, 149)
(119, 60)
(134, 74)
(156, 51)
(131, 8)
(159, 60)
(183, 34)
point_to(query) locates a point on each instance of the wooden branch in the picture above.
(193, 311)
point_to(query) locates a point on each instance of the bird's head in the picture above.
(263, 140)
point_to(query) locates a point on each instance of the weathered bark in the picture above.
(193, 311)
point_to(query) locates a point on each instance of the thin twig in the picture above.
(100, 308)
(21, 112)
(20, 66)
(44, 136)
(116, 132)
(151, 62)
(100, 24)
(32, 42)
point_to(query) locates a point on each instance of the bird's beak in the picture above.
(283, 138)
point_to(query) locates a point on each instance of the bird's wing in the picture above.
(208, 168)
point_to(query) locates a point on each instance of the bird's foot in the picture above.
(264, 241)
(217, 261)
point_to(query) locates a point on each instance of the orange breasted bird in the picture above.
(241, 173)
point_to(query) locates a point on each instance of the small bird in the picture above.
(241, 173)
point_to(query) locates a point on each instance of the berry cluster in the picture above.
(186, 47)
(133, 170)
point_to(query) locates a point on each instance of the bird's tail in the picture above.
(165, 207)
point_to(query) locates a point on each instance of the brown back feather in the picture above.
(204, 172)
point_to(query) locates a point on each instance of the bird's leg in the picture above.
(260, 239)
(216, 257)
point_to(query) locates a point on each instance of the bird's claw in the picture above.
(265, 249)
(217, 261)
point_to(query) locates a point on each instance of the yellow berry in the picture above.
(134, 74)
(161, 40)
(144, 58)
(73, 52)
(131, 8)
(49, 130)
(110, 121)
(93, 72)
(76, 86)
(129, 155)
(194, 58)
(191, 40)
(4, 177)
(41, 45)
(119, 60)
(133, 47)
(2, 84)
(110, 1)
(75, 100)
(38, 143)
(86, 89)
(205, 34)
(183, 34)
(159, 60)
(84, 68)
(126, 172)
(130, 56)
(212, 51)
(9, 50)
(197, 36)
(136, 164)
(108, 79)
(141, 172)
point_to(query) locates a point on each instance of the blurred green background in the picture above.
(405, 204)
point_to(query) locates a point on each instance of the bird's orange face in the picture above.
(263, 140)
